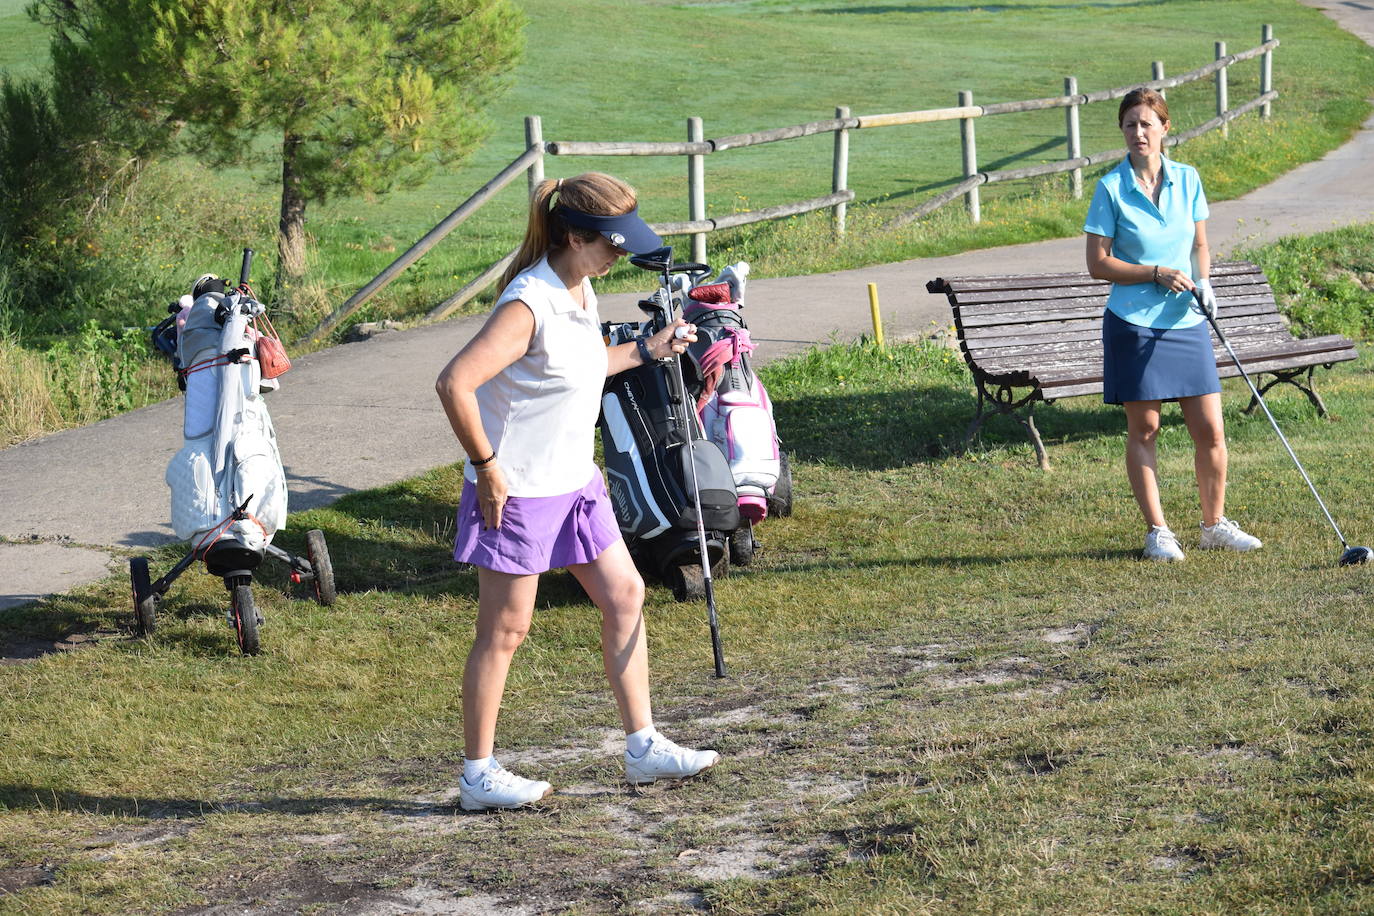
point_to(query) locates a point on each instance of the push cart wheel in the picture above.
(780, 503)
(742, 545)
(317, 551)
(245, 617)
(687, 582)
(145, 599)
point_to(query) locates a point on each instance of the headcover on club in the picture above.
(1356, 556)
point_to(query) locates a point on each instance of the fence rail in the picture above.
(696, 147)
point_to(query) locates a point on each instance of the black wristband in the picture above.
(643, 347)
(488, 460)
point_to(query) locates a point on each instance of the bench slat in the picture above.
(1315, 351)
(1242, 336)
(992, 339)
(1072, 310)
(1248, 297)
(1035, 353)
(1096, 293)
(962, 285)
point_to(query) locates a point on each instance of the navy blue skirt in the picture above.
(1155, 364)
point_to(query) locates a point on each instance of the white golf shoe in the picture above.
(1162, 544)
(1226, 535)
(665, 760)
(498, 787)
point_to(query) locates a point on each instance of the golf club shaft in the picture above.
(690, 419)
(1272, 422)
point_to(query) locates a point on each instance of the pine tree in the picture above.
(349, 96)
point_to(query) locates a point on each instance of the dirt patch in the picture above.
(1076, 635)
(1000, 672)
(110, 844)
(426, 899)
(14, 880)
(747, 859)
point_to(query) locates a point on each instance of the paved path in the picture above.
(363, 415)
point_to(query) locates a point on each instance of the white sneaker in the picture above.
(498, 787)
(1162, 544)
(665, 760)
(1226, 535)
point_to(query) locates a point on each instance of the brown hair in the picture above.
(591, 192)
(1142, 96)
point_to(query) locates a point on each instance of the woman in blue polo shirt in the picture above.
(522, 398)
(1147, 234)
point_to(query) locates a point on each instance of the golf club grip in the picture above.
(246, 267)
(717, 653)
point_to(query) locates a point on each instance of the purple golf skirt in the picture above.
(537, 533)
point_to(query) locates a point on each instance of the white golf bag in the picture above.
(229, 464)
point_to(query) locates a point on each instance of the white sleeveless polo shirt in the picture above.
(539, 413)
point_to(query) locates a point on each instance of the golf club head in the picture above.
(1356, 556)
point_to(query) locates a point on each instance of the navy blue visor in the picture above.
(625, 230)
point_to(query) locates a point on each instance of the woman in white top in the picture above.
(522, 398)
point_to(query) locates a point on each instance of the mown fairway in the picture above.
(954, 689)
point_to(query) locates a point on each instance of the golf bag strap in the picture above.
(206, 541)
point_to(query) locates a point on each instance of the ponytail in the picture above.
(537, 230)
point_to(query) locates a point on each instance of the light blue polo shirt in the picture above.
(1142, 233)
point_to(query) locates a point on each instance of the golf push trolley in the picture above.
(228, 487)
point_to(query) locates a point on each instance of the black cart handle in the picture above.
(246, 266)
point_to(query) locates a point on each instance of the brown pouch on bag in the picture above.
(272, 358)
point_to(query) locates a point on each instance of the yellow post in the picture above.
(877, 315)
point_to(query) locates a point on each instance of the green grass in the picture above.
(954, 689)
(23, 43)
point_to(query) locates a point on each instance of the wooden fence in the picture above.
(697, 147)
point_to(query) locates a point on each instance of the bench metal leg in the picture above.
(977, 422)
(1002, 400)
(1041, 457)
(1291, 376)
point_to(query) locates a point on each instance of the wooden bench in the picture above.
(1043, 332)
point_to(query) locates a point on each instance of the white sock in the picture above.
(638, 742)
(473, 769)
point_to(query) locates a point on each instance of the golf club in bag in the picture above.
(672, 490)
(228, 488)
(1350, 556)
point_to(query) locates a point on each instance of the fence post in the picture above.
(1071, 127)
(969, 144)
(1266, 68)
(839, 178)
(696, 189)
(534, 137)
(1221, 89)
(1157, 73)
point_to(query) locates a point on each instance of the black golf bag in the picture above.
(649, 431)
